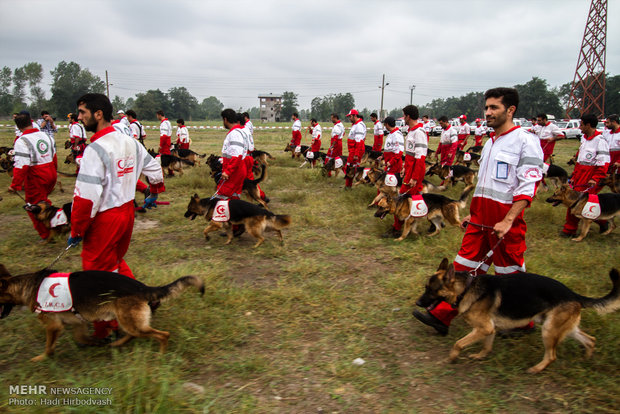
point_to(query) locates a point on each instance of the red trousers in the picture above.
(378, 143)
(462, 140)
(547, 147)
(36, 190)
(105, 243)
(478, 140)
(447, 152)
(296, 139)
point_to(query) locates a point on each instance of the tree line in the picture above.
(20, 88)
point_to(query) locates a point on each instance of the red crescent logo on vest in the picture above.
(220, 209)
(418, 206)
(51, 289)
(591, 207)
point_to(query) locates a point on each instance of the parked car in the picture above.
(570, 128)
(400, 124)
(436, 131)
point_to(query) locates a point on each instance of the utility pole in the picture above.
(383, 85)
(412, 87)
(107, 84)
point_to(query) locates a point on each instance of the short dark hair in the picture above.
(443, 118)
(425, 116)
(313, 120)
(374, 115)
(613, 118)
(412, 111)
(44, 113)
(246, 115)
(73, 117)
(23, 120)
(240, 118)
(389, 121)
(509, 96)
(335, 115)
(181, 121)
(160, 112)
(132, 114)
(589, 119)
(295, 114)
(97, 102)
(542, 116)
(230, 115)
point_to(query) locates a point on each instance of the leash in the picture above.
(20, 196)
(62, 253)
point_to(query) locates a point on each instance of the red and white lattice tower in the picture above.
(587, 93)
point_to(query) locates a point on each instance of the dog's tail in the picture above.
(609, 302)
(175, 288)
(262, 175)
(202, 156)
(463, 200)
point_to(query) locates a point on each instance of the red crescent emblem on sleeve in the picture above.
(51, 289)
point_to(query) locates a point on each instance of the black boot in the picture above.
(428, 319)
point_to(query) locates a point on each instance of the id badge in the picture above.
(502, 170)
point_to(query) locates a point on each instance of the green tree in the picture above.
(69, 82)
(343, 103)
(254, 112)
(289, 105)
(34, 75)
(535, 97)
(6, 98)
(19, 94)
(119, 104)
(211, 108)
(182, 103)
(612, 95)
(147, 104)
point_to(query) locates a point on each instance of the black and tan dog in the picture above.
(492, 302)
(45, 213)
(261, 157)
(188, 155)
(440, 208)
(255, 219)
(96, 296)
(330, 166)
(453, 173)
(575, 200)
(294, 154)
(460, 158)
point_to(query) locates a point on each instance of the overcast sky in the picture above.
(236, 50)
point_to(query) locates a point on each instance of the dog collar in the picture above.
(468, 282)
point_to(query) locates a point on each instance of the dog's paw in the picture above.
(577, 239)
(478, 355)
(38, 358)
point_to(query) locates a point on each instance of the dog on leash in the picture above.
(56, 219)
(254, 218)
(188, 155)
(440, 208)
(492, 302)
(453, 173)
(575, 200)
(96, 296)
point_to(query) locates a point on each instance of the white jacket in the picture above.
(548, 131)
(448, 136)
(183, 135)
(297, 125)
(165, 128)
(394, 142)
(510, 166)
(338, 130)
(358, 131)
(378, 128)
(416, 143)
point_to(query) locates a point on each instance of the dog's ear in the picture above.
(195, 196)
(443, 265)
(3, 271)
(448, 277)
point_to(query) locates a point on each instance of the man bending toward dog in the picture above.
(103, 211)
(510, 165)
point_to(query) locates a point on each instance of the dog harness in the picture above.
(418, 206)
(59, 219)
(221, 212)
(592, 209)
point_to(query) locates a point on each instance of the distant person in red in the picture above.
(355, 143)
(35, 167)
(316, 132)
(296, 134)
(233, 154)
(165, 135)
(377, 132)
(448, 142)
(182, 135)
(463, 131)
(548, 133)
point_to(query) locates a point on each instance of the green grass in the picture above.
(279, 326)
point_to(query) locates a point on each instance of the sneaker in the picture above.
(428, 319)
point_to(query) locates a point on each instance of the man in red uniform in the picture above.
(377, 132)
(416, 148)
(103, 200)
(448, 142)
(233, 153)
(296, 134)
(315, 145)
(510, 166)
(590, 168)
(355, 143)
(35, 167)
(548, 133)
(165, 135)
(613, 140)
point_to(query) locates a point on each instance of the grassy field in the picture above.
(279, 326)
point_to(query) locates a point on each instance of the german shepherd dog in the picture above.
(250, 187)
(476, 148)
(374, 174)
(460, 158)
(575, 200)
(556, 175)
(370, 155)
(317, 156)
(188, 155)
(330, 166)
(255, 219)
(439, 206)
(96, 296)
(491, 302)
(459, 173)
(294, 154)
(171, 162)
(45, 213)
(261, 157)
